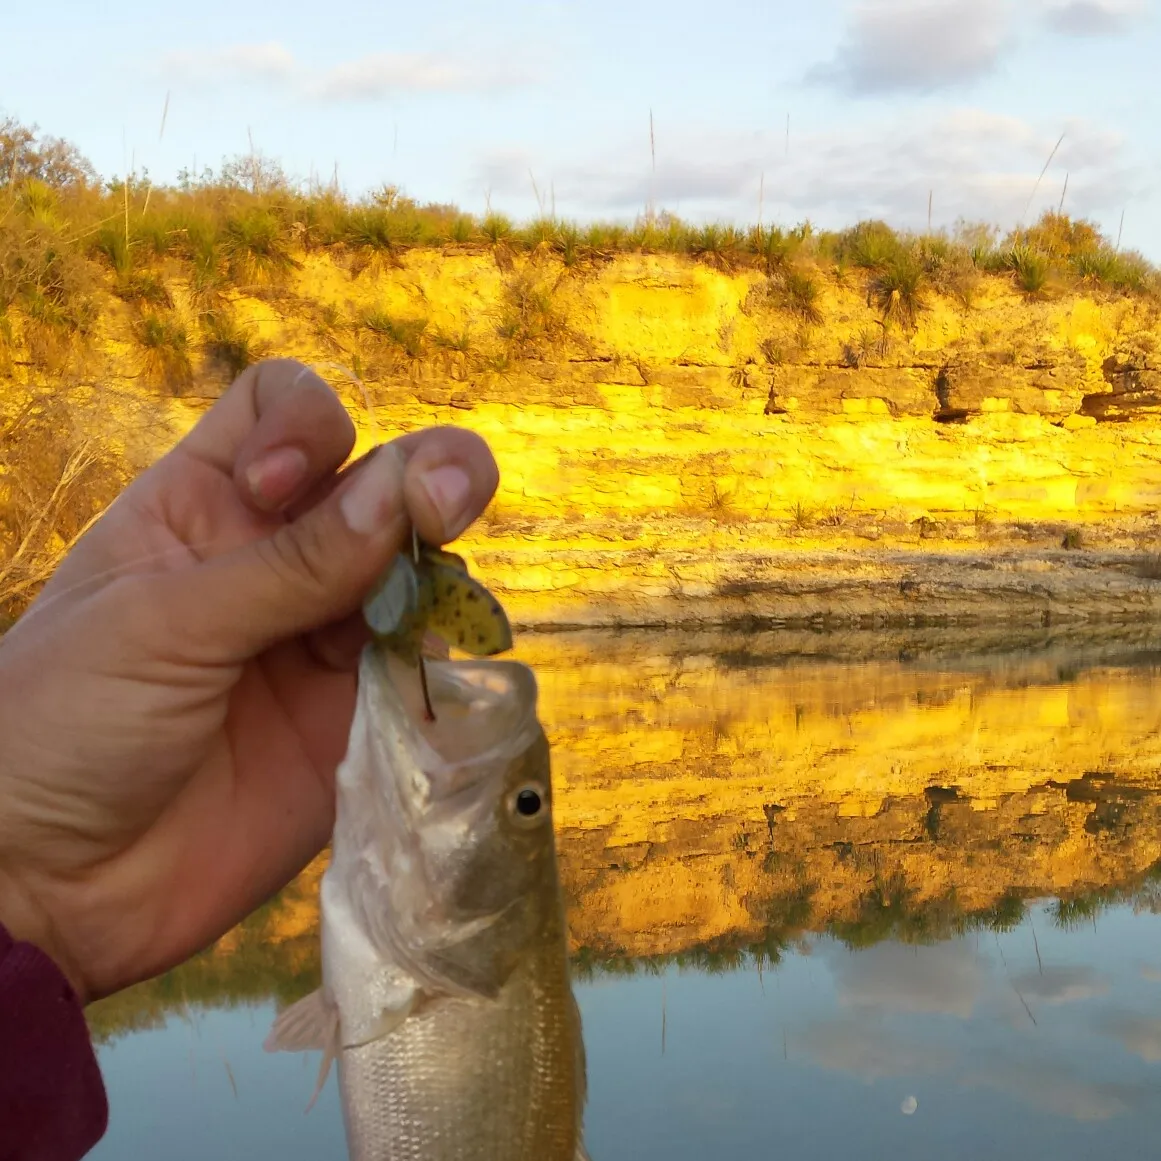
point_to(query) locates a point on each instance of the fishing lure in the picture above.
(432, 591)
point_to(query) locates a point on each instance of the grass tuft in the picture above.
(405, 333)
(228, 347)
(1030, 269)
(255, 248)
(165, 342)
(497, 228)
(898, 288)
(64, 233)
(529, 317)
(871, 245)
(142, 287)
(797, 291)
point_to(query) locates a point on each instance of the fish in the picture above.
(446, 998)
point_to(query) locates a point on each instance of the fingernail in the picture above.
(375, 494)
(275, 477)
(449, 489)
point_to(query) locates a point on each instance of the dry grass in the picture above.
(64, 233)
(57, 473)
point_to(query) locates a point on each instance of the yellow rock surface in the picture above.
(671, 432)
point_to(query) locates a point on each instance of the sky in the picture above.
(832, 110)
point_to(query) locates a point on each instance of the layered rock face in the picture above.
(678, 448)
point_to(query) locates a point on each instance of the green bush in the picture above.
(228, 347)
(870, 245)
(165, 342)
(64, 234)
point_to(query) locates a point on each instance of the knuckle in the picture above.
(302, 556)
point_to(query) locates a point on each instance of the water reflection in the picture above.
(884, 894)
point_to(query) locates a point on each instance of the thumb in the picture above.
(311, 571)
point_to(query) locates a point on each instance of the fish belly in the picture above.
(471, 1079)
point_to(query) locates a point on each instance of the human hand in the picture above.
(174, 704)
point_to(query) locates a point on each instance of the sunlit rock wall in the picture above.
(677, 446)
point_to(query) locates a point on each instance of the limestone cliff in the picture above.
(678, 445)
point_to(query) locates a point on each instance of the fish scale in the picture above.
(503, 1093)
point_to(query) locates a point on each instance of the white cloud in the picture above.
(1140, 1036)
(1092, 17)
(382, 74)
(1054, 1090)
(979, 165)
(866, 1051)
(917, 45)
(947, 977)
(268, 62)
(1061, 985)
(370, 77)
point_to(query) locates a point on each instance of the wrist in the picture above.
(27, 922)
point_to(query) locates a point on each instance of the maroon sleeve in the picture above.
(52, 1100)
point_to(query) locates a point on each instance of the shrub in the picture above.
(1122, 272)
(774, 247)
(1059, 236)
(798, 292)
(529, 317)
(199, 244)
(142, 287)
(540, 231)
(715, 244)
(166, 344)
(111, 244)
(1031, 270)
(463, 229)
(59, 473)
(255, 247)
(497, 228)
(898, 288)
(229, 348)
(568, 243)
(606, 236)
(404, 333)
(870, 245)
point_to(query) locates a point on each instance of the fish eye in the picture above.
(528, 804)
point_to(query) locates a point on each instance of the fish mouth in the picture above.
(485, 717)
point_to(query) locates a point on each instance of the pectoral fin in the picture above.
(389, 1019)
(312, 1024)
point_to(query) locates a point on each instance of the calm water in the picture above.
(886, 896)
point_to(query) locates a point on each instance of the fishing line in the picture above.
(347, 373)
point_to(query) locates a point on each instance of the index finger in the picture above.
(274, 405)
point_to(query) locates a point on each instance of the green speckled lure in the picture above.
(432, 591)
